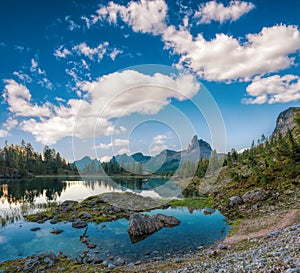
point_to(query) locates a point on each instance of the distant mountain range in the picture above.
(165, 161)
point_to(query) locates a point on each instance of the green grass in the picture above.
(193, 203)
(235, 225)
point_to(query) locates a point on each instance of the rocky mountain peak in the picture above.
(285, 121)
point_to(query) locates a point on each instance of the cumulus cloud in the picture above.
(159, 143)
(213, 11)
(126, 92)
(274, 89)
(18, 98)
(223, 58)
(226, 58)
(105, 158)
(143, 16)
(62, 52)
(9, 124)
(123, 151)
(156, 149)
(110, 96)
(115, 143)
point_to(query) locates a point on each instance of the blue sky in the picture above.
(107, 77)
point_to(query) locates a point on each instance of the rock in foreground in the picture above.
(141, 226)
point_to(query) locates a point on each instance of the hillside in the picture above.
(267, 174)
(20, 161)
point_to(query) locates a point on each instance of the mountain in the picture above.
(139, 157)
(286, 121)
(85, 161)
(167, 160)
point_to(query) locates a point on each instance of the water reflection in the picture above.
(19, 197)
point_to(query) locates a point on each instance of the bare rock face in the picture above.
(285, 121)
(141, 226)
(255, 196)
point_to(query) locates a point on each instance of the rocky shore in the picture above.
(266, 241)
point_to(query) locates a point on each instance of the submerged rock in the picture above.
(56, 231)
(79, 224)
(208, 211)
(35, 229)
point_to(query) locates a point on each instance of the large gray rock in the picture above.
(255, 196)
(235, 201)
(141, 226)
(168, 221)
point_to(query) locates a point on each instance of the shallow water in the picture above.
(196, 229)
(27, 196)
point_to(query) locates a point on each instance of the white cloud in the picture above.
(71, 23)
(3, 133)
(110, 96)
(123, 151)
(18, 98)
(226, 58)
(126, 92)
(98, 52)
(40, 74)
(22, 76)
(35, 67)
(156, 149)
(62, 52)
(115, 143)
(223, 58)
(159, 143)
(143, 16)
(160, 139)
(115, 53)
(213, 11)
(84, 49)
(9, 124)
(105, 158)
(274, 89)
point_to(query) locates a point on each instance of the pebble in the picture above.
(278, 251)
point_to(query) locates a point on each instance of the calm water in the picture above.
(19, 197)
(22, 197)
(196, 229)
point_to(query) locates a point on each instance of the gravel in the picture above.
(279, 251)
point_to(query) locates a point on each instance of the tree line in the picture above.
(23, 161)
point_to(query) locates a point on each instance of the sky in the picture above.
(101, 78)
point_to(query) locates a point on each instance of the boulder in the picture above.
(168, 221)
(255, 196)
(84, 215)
(140, 225)
(56, 231)
(208, 211)
(79, 224)
(235, 201)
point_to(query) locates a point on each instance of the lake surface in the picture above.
(196, 229)
(19, 197)
(27, 196)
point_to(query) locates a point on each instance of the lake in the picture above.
(27, 196)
